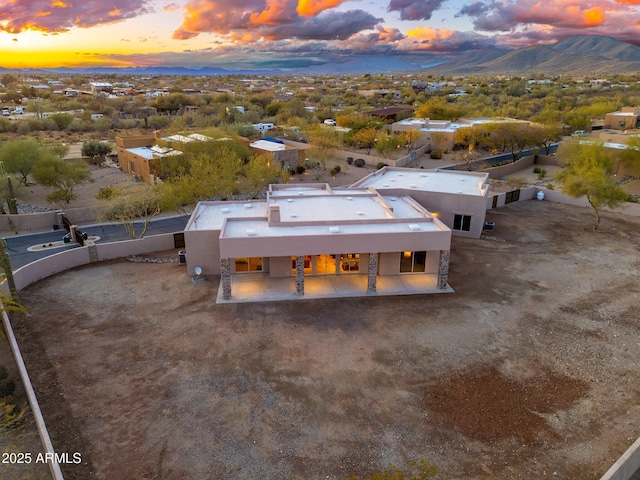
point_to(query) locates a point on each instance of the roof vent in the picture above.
(360, 213)
(349, 198)
(385, 185)
(289, 200)
(300, 193)
(413, 185)
(225, 210)
(414, 227)
(334, 229)
(251, 232)
(247, 205)
(294, 215)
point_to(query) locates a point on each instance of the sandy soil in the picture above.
(529, 370)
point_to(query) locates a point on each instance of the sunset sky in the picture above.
(287, 33)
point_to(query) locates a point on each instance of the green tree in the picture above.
(134, 207)
(62, 120)
(62, 176)
(589, 172)
(387, 144)
(19, 156)
(631, 154)
(95, 149)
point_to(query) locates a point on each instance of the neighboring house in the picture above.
(101, 87)
(284, 155)
(444, 129)
(263, 127)
(626, 119)
(379, 227)
(140, 156)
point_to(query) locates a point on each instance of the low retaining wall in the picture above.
(32, 222)
(530, 193)
(521, 164)
(368, 159)
(76, 257)
(627, 464)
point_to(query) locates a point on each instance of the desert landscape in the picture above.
(527, 371)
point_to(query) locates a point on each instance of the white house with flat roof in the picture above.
(316, 230)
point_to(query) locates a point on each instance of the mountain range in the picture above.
(580, 54)
(576, 54)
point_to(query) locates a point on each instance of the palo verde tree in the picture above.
(589, 172)
(133, 207)
(19, 156)
(63, 176)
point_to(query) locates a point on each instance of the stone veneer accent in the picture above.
(93, 252)
(443, 272)
(373, 273)
(300, 276)
(225, 275)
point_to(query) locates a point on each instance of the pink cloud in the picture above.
(59, 16)
(248, 20)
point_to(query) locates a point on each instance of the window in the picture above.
(349, 262)
(244, 264)
(132, 167)
(462, 222)
(413, 262)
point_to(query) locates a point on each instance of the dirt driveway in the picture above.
(529, 370)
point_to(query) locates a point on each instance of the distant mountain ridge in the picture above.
(576, 54)
(580, 54)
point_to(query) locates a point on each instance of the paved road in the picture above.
(18, 245)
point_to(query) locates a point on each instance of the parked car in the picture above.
(330, 121)
(579, 133)
(5, 112)
(18, 111)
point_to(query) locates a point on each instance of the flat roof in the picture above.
(435, 180)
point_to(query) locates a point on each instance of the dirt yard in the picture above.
(530, 370)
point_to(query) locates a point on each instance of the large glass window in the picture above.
(349, 263)
(413, 262)
(252, 264)
(462, 222)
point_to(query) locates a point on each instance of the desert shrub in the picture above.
(106, 193)
(436, 154)
(338, 168)
(380, 165)
(350, 160)
(359, 162)
(300, 170)
(542, 173)
(536, 169)
(334, 171)
(549, 186)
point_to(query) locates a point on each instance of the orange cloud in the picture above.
(431, 34)
(309, 8)
(593, 17)
(59, 4)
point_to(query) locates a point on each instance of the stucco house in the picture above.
(626, 119)
(378, 228)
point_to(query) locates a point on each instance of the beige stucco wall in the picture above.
(202, 249)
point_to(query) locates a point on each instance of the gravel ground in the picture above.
(529, 370)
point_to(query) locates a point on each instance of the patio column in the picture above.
(225, 275)
(443, 271)
(300, 276)
(373, 273)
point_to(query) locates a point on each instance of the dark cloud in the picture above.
(59, 16)
(415, 9)
(473, 9)
(246, 20)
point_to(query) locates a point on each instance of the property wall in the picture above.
(520, 164)
(78, 256)
(32, 222)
